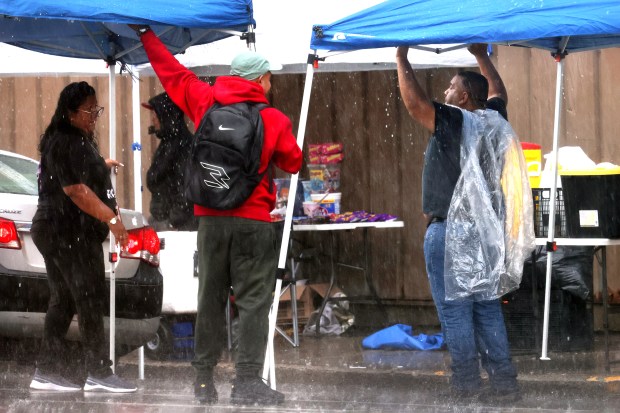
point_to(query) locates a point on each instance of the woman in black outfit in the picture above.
(76, 210)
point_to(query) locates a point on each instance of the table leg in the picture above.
(368, 276)
(604, 299)
(331, 282)
(293, 292)
(535, 304)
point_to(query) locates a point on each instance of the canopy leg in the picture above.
(552, 207)
(269, 366)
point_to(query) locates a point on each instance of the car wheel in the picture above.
(161, 346)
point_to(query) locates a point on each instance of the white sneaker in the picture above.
(54, 382)
(112, 383)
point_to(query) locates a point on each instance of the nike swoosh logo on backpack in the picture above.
(221, 127)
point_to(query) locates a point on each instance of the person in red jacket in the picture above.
(237, 247)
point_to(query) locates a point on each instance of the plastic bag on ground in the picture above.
(335, 319)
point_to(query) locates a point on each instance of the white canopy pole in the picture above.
(552, 200)
(112, 112)
(137, 176)
(269, 368)
(136, 147)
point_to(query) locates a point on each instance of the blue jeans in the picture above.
(474, 330)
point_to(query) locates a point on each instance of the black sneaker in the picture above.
(502, 397)
(112, 384)
(204, 390)
(54, 382)
(254, 391)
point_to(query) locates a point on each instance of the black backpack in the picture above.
(222, 171)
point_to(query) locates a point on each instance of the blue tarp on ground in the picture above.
(96, 29)
(532, 23)
(399, 336)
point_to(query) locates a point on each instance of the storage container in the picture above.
(533, 160)
(592, 202)
(183, 341)
(331, 202)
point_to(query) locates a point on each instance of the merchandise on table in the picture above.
(307, 186)
(282, 188)
(362, 216)
(314, 209)
(330, 148)
(329, 201)
(324, 166)
(324, 178)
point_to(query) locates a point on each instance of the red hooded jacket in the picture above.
(195, 97)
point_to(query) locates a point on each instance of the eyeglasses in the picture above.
(97, 112)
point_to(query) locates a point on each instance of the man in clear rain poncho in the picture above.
(478, 205)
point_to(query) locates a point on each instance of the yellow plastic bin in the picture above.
(533, 160)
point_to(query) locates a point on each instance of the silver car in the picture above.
(24, 290)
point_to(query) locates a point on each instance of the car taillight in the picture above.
(143, 244)
(8, 235)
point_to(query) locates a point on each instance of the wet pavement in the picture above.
(333, 373)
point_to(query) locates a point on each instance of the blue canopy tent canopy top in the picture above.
(98, 29)
(529, 23)
(559, 26)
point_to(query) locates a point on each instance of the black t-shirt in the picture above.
(69, 159)
(442, 166)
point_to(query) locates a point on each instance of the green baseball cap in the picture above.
(251, 65)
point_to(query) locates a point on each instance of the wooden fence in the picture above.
(384, 148)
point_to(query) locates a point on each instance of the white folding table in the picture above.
(333, 228)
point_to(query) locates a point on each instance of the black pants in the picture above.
(241, 253)
(76, 278)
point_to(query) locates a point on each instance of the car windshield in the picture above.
(18, 175)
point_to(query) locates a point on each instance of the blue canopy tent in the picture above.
(97, 29)
(559, 26)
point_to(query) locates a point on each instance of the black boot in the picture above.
(204, 388)
(252, 390)
(500, 397)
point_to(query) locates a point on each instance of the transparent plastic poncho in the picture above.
(490, 228)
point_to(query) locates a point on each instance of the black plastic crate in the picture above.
(570, 321)
(542, 209)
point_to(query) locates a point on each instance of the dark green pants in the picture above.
(241, 253)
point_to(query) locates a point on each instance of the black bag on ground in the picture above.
(572, 270)
(222, 171)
